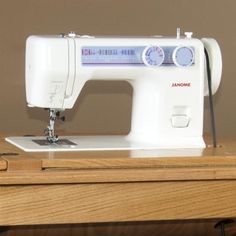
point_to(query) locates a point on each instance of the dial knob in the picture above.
(153, 56)
(183, 56)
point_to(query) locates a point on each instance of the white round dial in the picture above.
(183, 56)
(153, 56)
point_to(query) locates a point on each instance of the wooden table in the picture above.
(116, 186)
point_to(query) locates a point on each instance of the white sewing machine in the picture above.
(168, 76)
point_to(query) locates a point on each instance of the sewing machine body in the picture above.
(167, 76)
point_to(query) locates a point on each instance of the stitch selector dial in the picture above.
(183, 56)
(153, 56)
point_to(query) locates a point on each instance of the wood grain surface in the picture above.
(81, 203)
(117, 186)
(115, 176)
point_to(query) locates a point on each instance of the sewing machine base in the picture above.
(96, 143)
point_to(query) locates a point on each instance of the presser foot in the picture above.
(50, 130)
(51, 138)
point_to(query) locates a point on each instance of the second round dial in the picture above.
(183, 56)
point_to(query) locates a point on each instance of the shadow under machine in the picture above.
(168, 76)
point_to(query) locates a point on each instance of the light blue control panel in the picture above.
(137, 56)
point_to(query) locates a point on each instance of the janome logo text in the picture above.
(181, 85)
